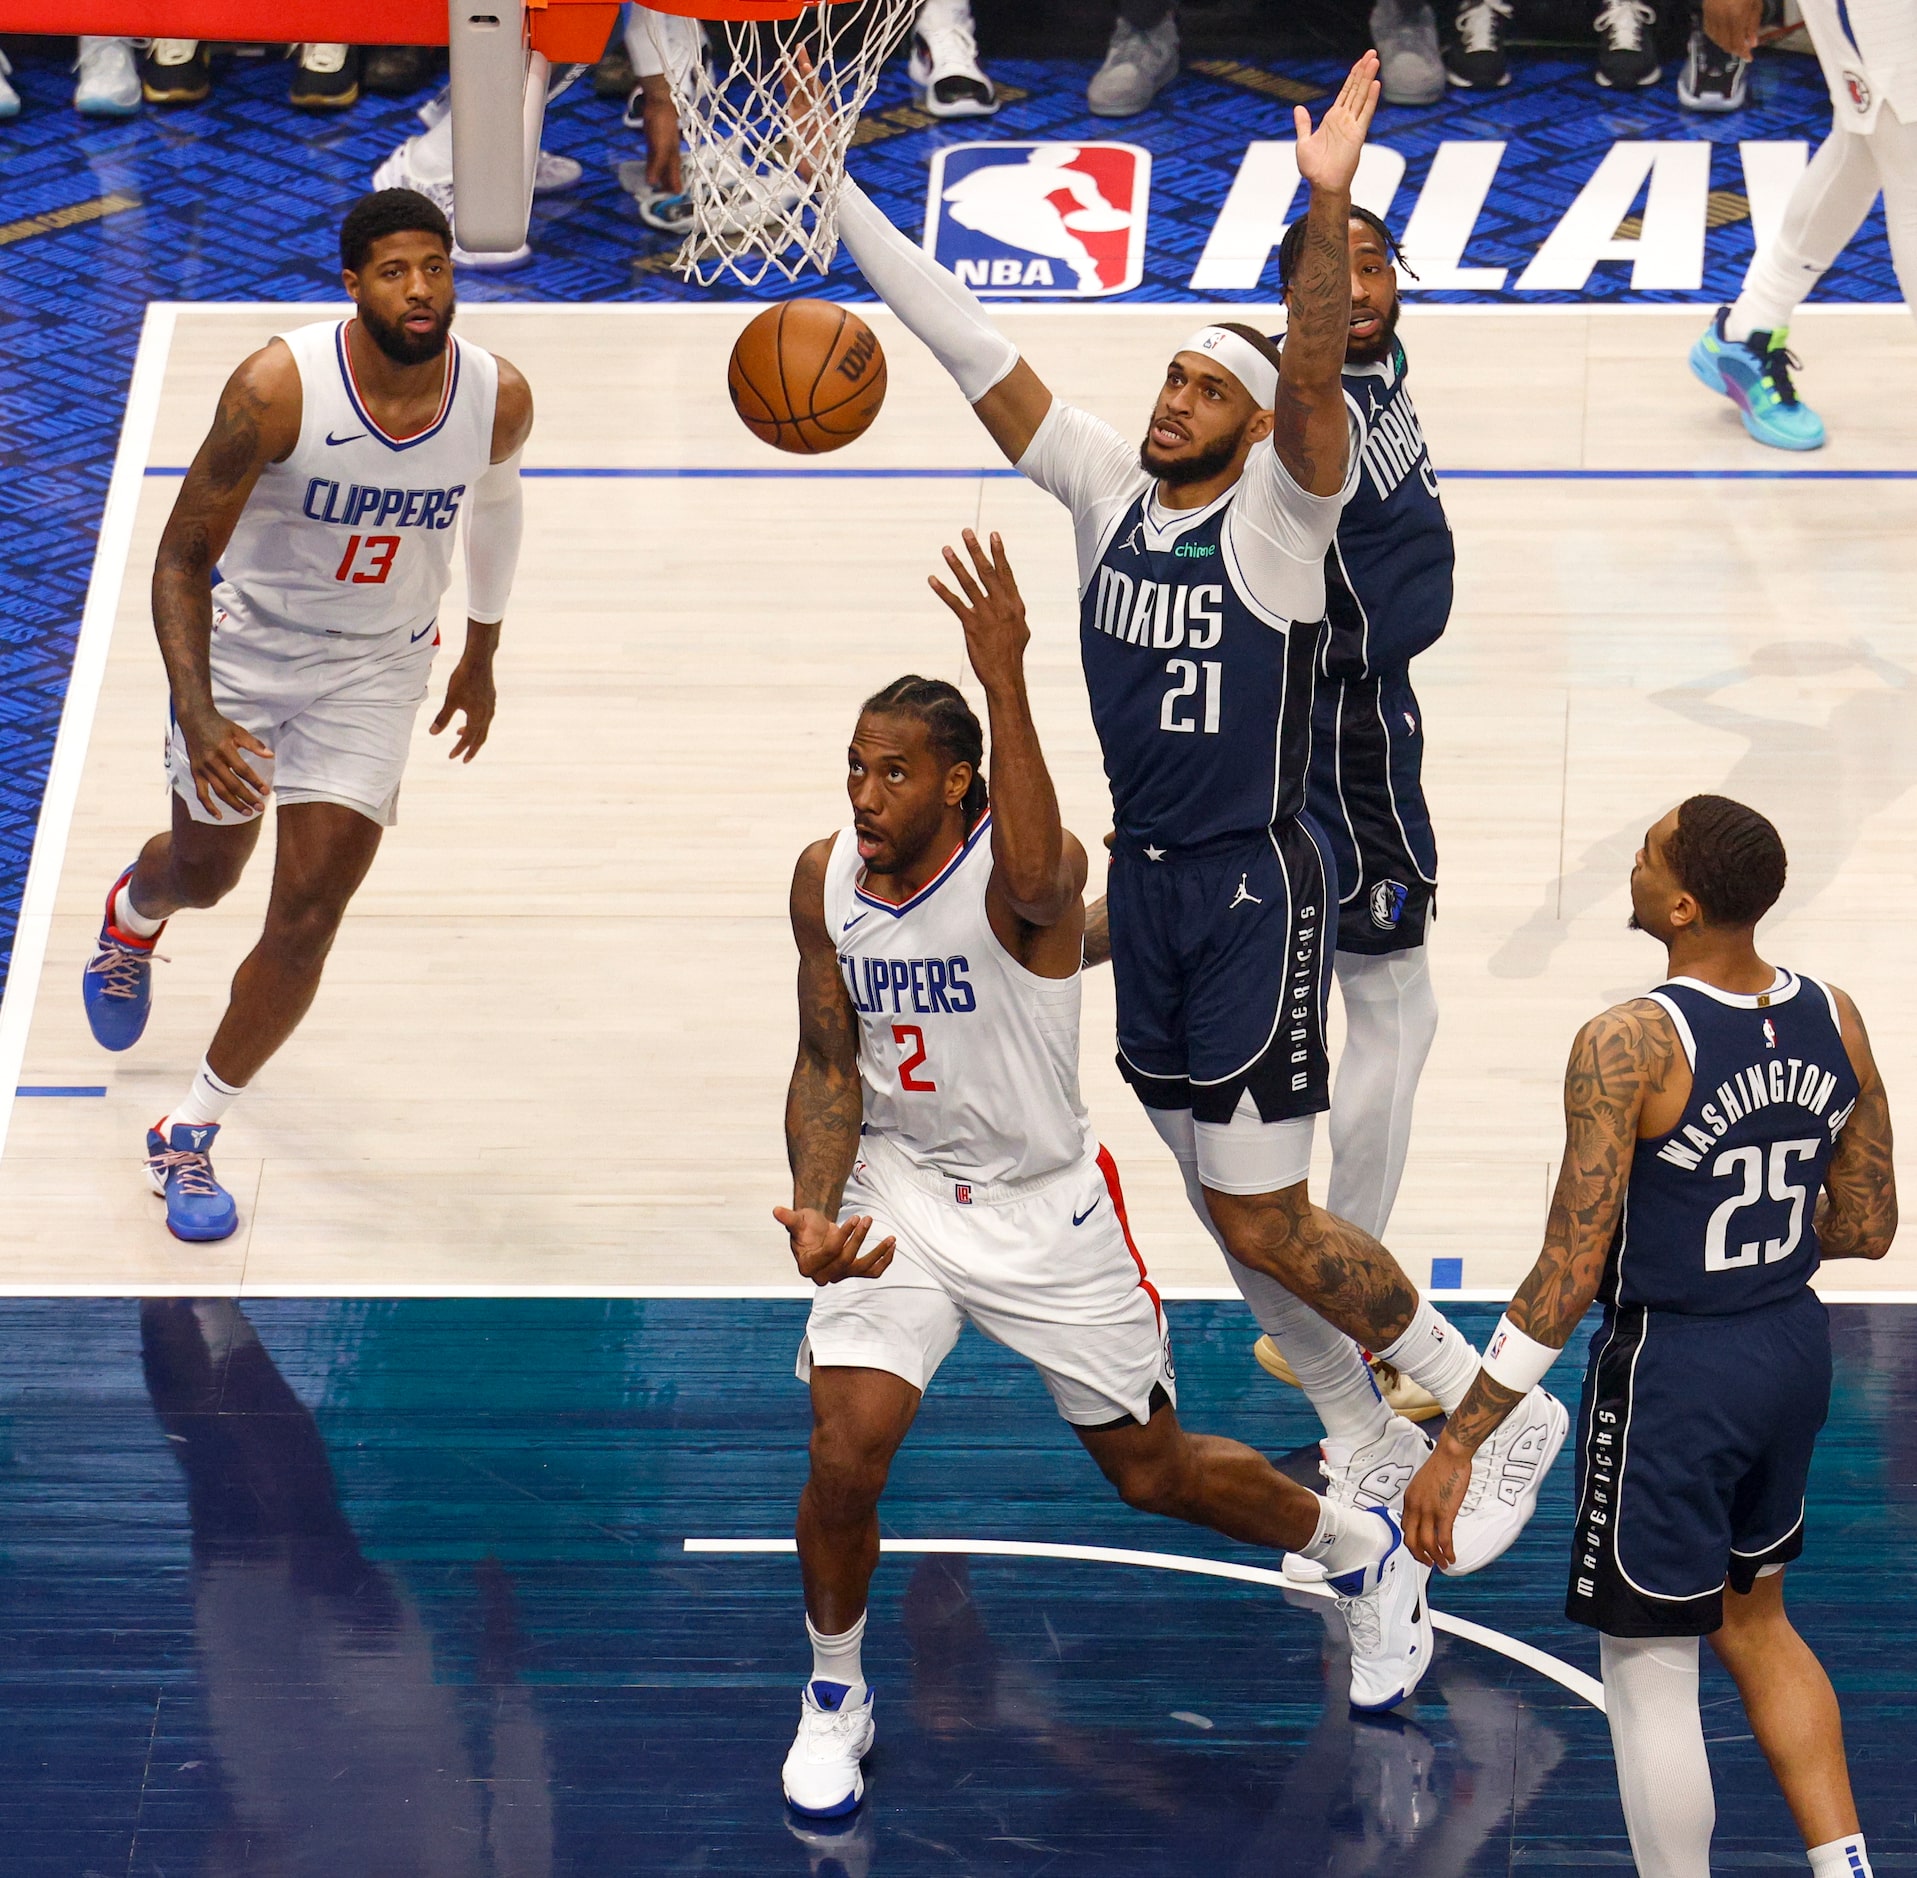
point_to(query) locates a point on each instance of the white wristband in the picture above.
(1515, 1360)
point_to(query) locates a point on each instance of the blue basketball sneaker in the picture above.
(1755, 374)
(118, 982)
(179, 1166)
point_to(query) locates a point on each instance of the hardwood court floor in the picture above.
(553, 1039)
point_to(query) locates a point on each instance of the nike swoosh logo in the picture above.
(354, 438)
(853, 921)
(1078, 1219)
(423, 631)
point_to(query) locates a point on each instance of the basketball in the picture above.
(807, 376)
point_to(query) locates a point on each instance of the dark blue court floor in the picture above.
(398, 1590)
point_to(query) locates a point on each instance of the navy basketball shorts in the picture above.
(1366, 792)
(1221, 960)
(1694, 1451)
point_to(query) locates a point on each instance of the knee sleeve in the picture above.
(1657, 1735)
(1391, 1017)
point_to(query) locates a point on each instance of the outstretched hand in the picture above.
(826, 1253)
(1328, 156)
(992, 613)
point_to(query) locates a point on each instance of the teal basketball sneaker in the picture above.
(1755, 374)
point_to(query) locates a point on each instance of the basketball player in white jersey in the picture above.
(943, 1170)
(325, 500)
(1868, 51)
(1208, 542)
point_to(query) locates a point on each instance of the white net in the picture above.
(764, 197)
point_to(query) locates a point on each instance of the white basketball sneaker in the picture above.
(1374, 1473)
(821, 1775)
(397, 172)
(1506, 1475)
(944, 62)
(1389, 1622)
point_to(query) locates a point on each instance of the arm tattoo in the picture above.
(1308, 415)
(1857, 1211)
(824, 1104)
(1617, 1060)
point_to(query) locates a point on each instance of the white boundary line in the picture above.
(114, 543)
(1555, 1668)
(790, 1294)
(745, 308)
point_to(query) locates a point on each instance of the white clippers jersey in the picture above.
(969, 1061)
(352, 536)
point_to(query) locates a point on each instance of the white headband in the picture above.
(1241, 359)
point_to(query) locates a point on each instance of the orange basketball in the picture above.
(807, 376)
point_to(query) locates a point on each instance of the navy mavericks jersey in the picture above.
(1719, 1214)
(1201, 699)
(1388, 574)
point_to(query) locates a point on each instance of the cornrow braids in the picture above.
(1294, 241)
(1729, 858)
(951, 727)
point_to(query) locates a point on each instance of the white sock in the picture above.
(128, 917)
(1657, 1736)
(1825, 210)
(1347, 1539)
(1391, 1016)
(1437, 1353)
(1842, 1858)
(1328, 1365)
(207, 1100)
(836, 1659)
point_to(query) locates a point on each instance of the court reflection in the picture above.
(338, 1751)
(999, 1767)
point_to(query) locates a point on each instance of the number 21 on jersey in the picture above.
(1195, 688)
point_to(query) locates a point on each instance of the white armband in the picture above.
(495, 519)
(927, 299)
(1515, 1360)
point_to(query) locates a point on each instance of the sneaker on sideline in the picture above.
(179, 1168)
(1410, 66)
(1475, 61)
(1627, 58)
(1138, 66)
(397, 172)
(108, 84)
(326, 77)
(944, 62)
(821, 1776)
(1755, 374)
(175, 71)
(1506, 1476)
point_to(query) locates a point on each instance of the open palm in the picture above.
(1328, 156)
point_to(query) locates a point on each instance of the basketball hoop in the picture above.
(761, 205)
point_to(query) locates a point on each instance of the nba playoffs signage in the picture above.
(1041, 220)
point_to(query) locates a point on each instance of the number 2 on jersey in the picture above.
(910, 1034)
(1170, 714)
(1747, 1164)
(370, 568)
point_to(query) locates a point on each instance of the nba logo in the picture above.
(1064, 220)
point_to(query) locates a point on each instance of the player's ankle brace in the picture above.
(1841, 1858)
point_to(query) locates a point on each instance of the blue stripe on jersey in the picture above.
(1719, 1214)
(1201, 700)
(447, 398)
(898, 907)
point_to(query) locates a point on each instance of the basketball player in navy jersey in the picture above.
(944, 1171)
(1202, 600)
(325, 500)
(1723, 1136)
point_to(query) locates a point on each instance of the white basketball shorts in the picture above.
(1051, 1273)
(336, 713)
(1871, 64)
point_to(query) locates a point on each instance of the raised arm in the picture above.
(1310, 431)
(1857, 1211)
(257, 423)
(1616, 1059)
(1007, 394)
(1036, 899)
(823, 1104)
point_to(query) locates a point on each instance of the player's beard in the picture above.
(1201, 467)
(402, 347)
(1378, 347)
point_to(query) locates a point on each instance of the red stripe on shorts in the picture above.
(1109, 1168)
